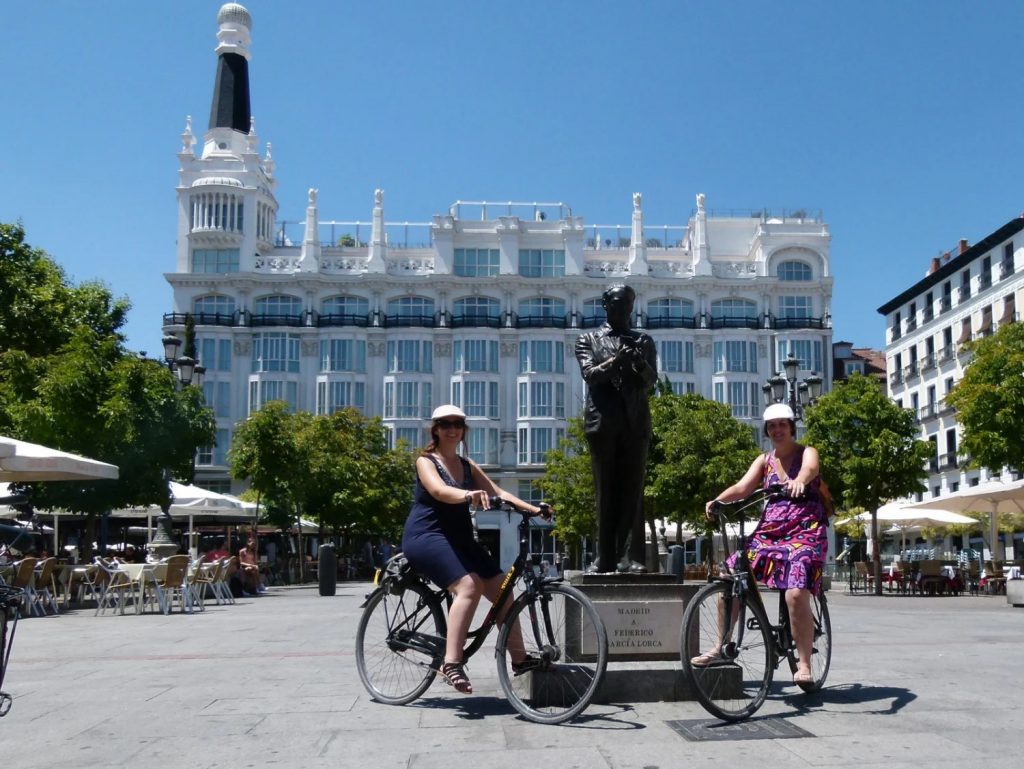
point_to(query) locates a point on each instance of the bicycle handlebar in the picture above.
(773, 491)
(497, 503)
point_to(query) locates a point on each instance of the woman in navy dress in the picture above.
(439, 542)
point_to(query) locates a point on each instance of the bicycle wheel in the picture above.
(736, 683)
(821, 650)
(400, 643)
(567, 642)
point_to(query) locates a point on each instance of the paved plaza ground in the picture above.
(271, 681)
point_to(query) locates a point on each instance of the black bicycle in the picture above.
(10, 607)
(727, 625)
(400, 642)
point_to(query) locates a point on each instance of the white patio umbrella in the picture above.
(24, 461)
(993, 498)
(903, 517)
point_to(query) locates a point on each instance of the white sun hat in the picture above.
(447, 411)
(778, 411)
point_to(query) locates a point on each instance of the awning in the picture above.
(24, 461)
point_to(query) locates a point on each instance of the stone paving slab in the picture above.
(271, 682)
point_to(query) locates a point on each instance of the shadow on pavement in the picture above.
(475, 708)
(894, 698)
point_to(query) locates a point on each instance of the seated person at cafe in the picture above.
(249, 569)
(219, 552)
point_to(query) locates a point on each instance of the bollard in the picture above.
(327, 570)
(676, 560)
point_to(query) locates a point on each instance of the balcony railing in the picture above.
(203, 318)
(896, 377)
(928, 314)
(896, 333)
(985, 280)
(476, 320)
(928, 412)
(911, 370)
(276, 320)
(949, 461)
(1005, 269)
(945, 304)
(911, 324)
(410, 321)
(342, 319)
(946, 353)
(799, 321)
(933, 464)
(664, 321)
(733, 322)
(540, 321)
(928, 361)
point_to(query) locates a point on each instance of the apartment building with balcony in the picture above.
(479, 305)
(968, 293)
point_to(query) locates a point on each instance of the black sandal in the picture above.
(454, 674)
(525, 665)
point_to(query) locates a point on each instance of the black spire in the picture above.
(230, 108)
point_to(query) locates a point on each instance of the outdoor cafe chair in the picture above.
(204, 579)
(865, 578)
(995, 580)
(25, 579)
(166, 582)
(118, 588)
(222, 586)
(42, 597)
(930, 578)
(194, 585)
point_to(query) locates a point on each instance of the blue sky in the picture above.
(900, 121)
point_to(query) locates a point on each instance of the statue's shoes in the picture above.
(631, 567)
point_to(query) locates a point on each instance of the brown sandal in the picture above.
(454, 675)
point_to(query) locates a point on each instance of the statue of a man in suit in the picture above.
(620, 367)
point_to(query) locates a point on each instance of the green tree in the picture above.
(263, 451)
(568, 485)
(989, 400)
(869, 450)
(699, 448)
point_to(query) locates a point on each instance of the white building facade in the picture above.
(968, 293)
(480, 305)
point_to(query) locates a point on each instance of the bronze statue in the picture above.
(620, 367)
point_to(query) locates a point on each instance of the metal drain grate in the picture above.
(718, 731)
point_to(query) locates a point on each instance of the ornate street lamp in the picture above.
(784, 387)
(187, 373)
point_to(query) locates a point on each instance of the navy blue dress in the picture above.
(438, 538)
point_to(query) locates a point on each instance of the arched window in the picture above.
(480, 307)
(411, 306)
(593, 309)
(279, 305)
(727, 309)
(542, 307)
(793, 270)
(345, 305)
(670, 309)
(214, 304)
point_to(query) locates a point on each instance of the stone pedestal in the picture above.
(642, 614)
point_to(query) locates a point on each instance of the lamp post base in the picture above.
(163, 544)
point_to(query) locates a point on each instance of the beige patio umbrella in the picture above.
(993, 497)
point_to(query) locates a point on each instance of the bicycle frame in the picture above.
(743, 583)
(417, 641)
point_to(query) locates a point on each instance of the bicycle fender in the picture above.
(370, 595)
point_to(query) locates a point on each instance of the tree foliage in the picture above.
(989, 400)
(568, 485)
(868, 445)
(67, 381)
(334, 469)
(699, 448)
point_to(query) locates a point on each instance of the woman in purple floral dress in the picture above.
(788, 548)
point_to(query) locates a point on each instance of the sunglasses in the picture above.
(448, 424)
